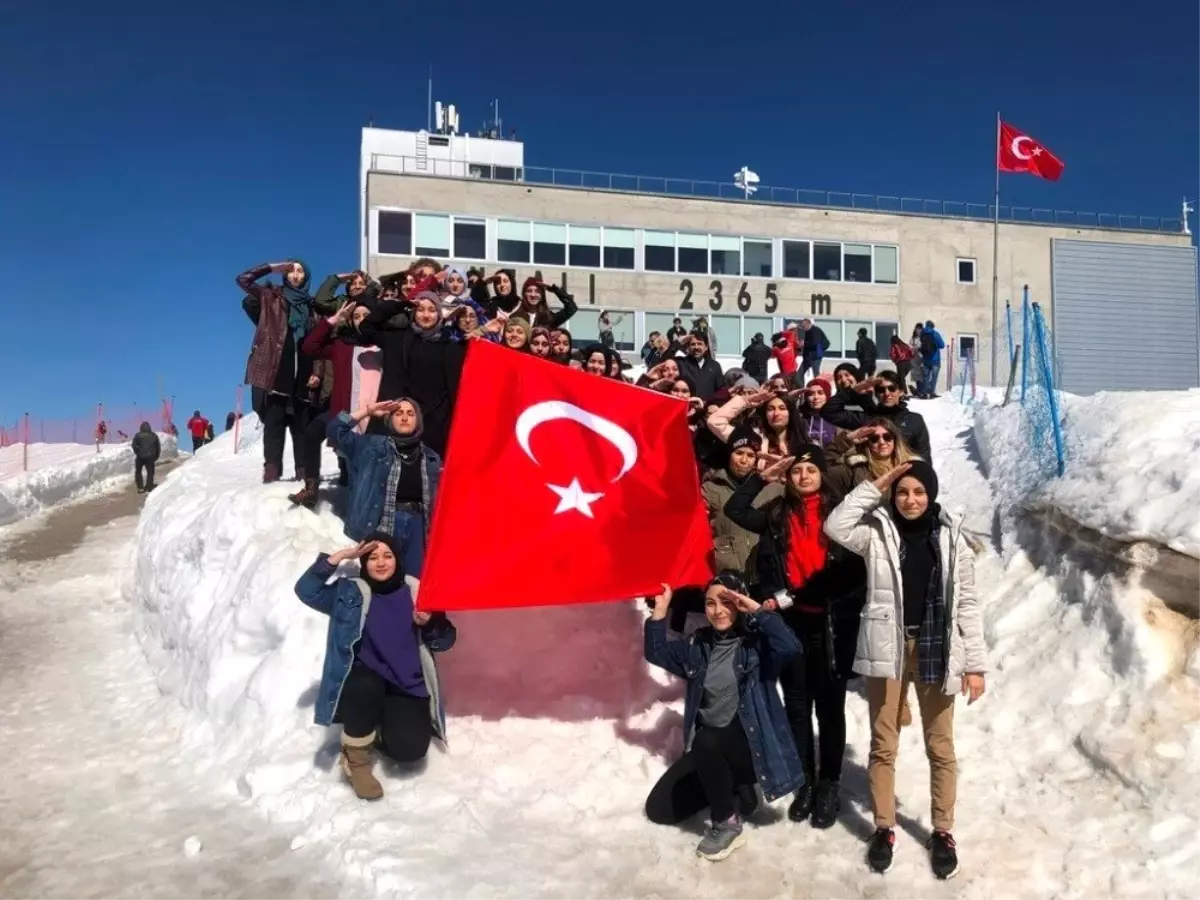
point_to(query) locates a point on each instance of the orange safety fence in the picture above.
(102, 427)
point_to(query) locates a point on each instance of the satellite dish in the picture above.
(746, 180)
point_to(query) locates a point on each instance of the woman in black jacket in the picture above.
(819, 588)
(418, 362)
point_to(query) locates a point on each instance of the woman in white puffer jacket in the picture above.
(922, 624)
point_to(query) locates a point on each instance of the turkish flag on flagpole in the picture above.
(562, 487)
(1018, 152)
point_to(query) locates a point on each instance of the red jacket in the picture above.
(321, 343)
(786, 356)
(197, 426)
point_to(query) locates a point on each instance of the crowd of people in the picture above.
(835, 560)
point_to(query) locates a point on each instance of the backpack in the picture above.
(928, 347)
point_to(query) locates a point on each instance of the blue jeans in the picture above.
(410, 532)
(932, 370)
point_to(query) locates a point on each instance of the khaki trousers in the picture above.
(885, 697)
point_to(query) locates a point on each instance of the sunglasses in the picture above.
(886, 389)
(881, 439)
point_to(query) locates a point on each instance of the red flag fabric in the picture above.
(562, 487)
(1018, 152)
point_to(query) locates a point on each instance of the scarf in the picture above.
(299, 305)
(921, 580)
(807, 544)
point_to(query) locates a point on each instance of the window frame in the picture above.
(959, 355)
(958, 261)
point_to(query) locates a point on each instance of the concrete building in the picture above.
(1119, 291)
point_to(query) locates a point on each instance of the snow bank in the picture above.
(1131, 474)
(62, 472)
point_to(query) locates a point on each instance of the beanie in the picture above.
(743, 436)
(810, 453)
(851, 368)
(531, 280)
(823, 385)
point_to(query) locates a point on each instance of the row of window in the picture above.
(520, 242)
(631, 328)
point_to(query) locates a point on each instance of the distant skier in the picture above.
(146, 450)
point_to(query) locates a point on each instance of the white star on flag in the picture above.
(574, 497)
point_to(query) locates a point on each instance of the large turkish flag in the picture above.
(1018, 152)
(561, 487)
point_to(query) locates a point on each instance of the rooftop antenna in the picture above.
(499, 135)
(746, 180)
(430, 116)
(1186, 210)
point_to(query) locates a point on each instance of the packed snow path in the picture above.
(96, 799)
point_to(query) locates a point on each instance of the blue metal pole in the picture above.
(1024, 343)
(1039, 323)
(1012, 353)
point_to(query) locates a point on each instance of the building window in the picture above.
(395, 233)
(584, 246)
(796, 259)
(549, 244)
(856, 262)
(470, 239)
(660, 251)
(432, 235)
(966, 346)
(756, 258)
(512, 241)
(726, 255)
(827, 261)
(966, 270)
(693, 253)
(506, 173)
(883, 337)
(887, 265)
(833, 331)
(618, 248)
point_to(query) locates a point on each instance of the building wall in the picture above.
(928, 248)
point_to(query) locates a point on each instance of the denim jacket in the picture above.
(768, 645)
(346, 601)
(371, 457)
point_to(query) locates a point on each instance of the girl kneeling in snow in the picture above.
(735, 731)
(379, 679)
(922, 624)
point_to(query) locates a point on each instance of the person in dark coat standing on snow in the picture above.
(282, 317)
(813, 350)
(866, 353)
(754, 358)
(146, 450)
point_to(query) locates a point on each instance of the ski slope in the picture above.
(62, 472)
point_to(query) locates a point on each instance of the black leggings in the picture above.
(902, 370)
(279, 416)
(707, 775)
(314, 439)
(809, 685)
(401, 721)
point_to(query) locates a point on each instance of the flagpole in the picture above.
(996, 251)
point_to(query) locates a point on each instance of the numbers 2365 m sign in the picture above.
(718, 295)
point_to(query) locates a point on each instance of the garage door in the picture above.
(1125, 316)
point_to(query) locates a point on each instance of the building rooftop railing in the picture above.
(687, 187)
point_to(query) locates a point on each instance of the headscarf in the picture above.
(396, 581)
(526, 329)
(455, 270)
(609, 355)
(404, 442)
(923, 472)
(434, 333)
(299, 303)
(563, 360)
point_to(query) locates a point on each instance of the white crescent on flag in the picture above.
(1016, 147)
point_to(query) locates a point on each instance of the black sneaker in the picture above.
(943, 855)
(880, 853)
(827, 803)
(802, 805)
(746, 800)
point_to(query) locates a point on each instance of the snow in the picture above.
(1077, 769)
(62, 472)
(1131, 473)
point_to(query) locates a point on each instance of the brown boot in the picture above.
(358, 761)
(307, 496)
(271, 473)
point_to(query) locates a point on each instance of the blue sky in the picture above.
(151, 151)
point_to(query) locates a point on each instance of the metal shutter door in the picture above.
(1125, 316)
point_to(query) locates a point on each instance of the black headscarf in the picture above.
(394, 583)
(923, 524)
(918, 548)
(406, 442)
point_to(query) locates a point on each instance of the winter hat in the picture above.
(851, 368)
(743, 436)
(823, 384)
(531, 280)
(745, 382)
(810, 453)
(396, 581)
